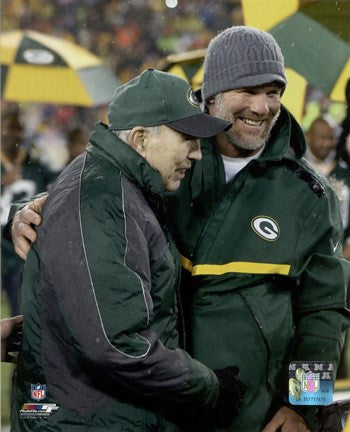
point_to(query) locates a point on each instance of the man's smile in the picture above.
(251, 122)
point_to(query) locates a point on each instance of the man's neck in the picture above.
(226, 148)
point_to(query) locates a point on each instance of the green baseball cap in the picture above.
(159, 98)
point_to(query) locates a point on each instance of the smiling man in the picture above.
(249, 132)
(259, 232)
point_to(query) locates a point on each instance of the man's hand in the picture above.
(11, 335)
(286, 420)
(21, 231)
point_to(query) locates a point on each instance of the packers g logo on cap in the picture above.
(266, 228)
(192, 98)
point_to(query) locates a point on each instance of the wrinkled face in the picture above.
(171, 153)
(321, 139)
(253, 112)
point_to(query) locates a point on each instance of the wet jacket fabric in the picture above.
(264, 279)
(100, 304)
(340, 175)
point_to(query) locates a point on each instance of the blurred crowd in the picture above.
(115, 30)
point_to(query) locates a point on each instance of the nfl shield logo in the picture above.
(310, 382)
(38, 391)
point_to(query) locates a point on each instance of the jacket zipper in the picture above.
(240, 176)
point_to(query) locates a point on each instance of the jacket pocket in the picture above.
(271, 307)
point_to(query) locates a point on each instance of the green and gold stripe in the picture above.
(234, 267)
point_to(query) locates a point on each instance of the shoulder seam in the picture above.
(311, 178)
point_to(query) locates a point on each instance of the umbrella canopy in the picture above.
(36, 67)
(189, 66)
(313, 35)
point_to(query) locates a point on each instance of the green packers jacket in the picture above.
(264, 279)
(100, 337)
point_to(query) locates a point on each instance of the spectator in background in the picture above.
(77, 139)
(343, 147)
(324, 154)
(321, 153)
(21, 177)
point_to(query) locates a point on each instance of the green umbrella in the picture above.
(313, 35)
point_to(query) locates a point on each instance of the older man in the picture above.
(260, 235)
(99, 293)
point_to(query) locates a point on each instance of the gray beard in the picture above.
(233, 135)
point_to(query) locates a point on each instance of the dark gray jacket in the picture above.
(100, 305)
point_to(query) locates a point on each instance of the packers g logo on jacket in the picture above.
(266, 228)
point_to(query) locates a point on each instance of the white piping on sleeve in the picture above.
(92, 284)
(126, 251)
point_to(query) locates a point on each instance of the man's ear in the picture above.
(138, 139)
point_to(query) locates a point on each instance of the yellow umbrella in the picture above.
(189, 66)
(36, 67)
(313, 35)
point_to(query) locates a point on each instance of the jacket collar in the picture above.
(104, 142)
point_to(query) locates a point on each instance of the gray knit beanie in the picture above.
(239, 57)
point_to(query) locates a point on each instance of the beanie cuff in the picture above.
(239, 57)
(211, 89)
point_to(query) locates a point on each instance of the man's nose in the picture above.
(259, 104)
(195, 155)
